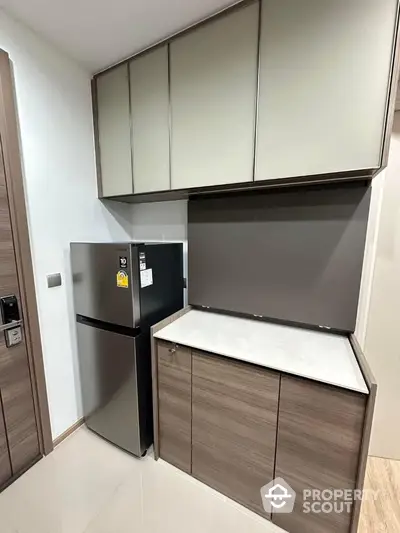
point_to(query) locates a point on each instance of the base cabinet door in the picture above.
(174, 393)
(319, 438)
(234, 427)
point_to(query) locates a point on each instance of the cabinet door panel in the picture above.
(174, 391)
(213, 94)
(234, 427)
(319, 438)
(150, 121)
(5, 465)
(324, 68)
(114, 131)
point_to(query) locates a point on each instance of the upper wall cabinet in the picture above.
(114, 139)
(324, 74)
(302, 91)
(213, 100)
(150, 121)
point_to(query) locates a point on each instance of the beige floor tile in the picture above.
(162, 499)
(124, 511)
(5, 526)
(89, 486)
(175, 502)
(64, 491)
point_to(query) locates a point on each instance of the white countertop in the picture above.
(315, 355)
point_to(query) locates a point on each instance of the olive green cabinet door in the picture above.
(174, 403)
(235, 409)
(324, 76)
(213, 100)
(319, 438)
(150, 121)
(114, 132)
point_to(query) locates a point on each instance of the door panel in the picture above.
(114, 130)
(323, 69)
(96, 294)
(319, 437)
(213, 99)
(109, 385)
(235, 410)
(5, 465)
(150, 120)
(19, 414)
(15, 380)
(8, 271)
(174, 390)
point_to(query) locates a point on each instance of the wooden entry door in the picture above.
(19, 441)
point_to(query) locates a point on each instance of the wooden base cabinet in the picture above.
(237, 427)
(174, 404)
(318, 447)
(235, 410)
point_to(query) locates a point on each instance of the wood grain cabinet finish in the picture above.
(324, 67)
(150, 121)
(318, 447)
(5, 465)
(16, 394)
(17, 400)
(235, 409)
(213, 99)
(114, 132)
(175, 398)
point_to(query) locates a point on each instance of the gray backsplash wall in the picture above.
(294, 255)
(161, 221)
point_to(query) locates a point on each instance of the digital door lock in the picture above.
(11, 320)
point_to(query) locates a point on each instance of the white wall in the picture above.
(164, 221)
(54, 108)
(371, 243)
(381, 346)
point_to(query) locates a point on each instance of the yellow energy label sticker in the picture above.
(122, 279)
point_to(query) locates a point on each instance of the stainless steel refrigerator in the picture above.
(120, 291)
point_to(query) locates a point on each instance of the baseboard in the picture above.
(68, 432)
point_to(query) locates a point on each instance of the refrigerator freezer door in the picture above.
(114, 395)
(103, 282)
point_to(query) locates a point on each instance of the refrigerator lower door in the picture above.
(116, 387)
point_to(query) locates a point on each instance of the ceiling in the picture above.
(98, 33)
